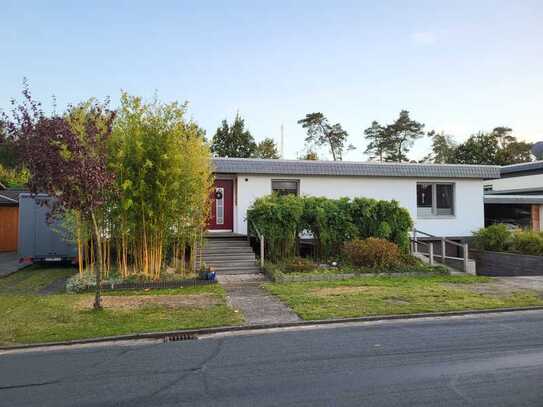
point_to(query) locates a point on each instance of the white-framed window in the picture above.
(285, 186)
(435, 199)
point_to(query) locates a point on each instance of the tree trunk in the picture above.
(333, 153)
(79, 245)
(98, 270)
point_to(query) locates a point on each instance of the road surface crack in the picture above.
(23, 386)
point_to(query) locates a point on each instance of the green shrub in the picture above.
(299, 265)
(527, 242)
(494, 238)
(372, 252)
(278, 218)
(331, 222)
(86, 281)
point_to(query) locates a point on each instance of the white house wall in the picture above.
(469, 206)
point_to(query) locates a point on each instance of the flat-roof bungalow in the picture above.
(443, 199)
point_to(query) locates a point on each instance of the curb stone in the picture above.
(241, 328)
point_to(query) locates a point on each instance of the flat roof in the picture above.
(8, 198)
(353, 169)
(522, 167)
(513, 199)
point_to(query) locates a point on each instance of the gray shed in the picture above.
(38, 239)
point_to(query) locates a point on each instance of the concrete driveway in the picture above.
(505, 286)
(9, 263)
(520, 283)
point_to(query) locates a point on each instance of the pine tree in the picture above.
(400, 137)
(233, 140)
(443, 148)
(266, 149)
(320, 132)
(377, 141)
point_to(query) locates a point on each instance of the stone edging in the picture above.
(279, 277)
(151, 284)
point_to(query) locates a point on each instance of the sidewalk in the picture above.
(244, 293)
(9, 263)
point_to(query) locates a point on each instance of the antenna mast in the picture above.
(282, 141)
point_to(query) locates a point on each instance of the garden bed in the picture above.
(80, 283)
(142, 285)
(277, 274)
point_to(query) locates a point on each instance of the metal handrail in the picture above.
(261, 239)
(430, 249)
(423, 233)
(444, 241)
(438, 237)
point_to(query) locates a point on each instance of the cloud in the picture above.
(424, 38)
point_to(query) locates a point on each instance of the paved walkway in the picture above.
(9, 263)
(244, 293)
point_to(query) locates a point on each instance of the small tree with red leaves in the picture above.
(67, 159)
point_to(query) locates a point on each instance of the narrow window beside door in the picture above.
(219, 206)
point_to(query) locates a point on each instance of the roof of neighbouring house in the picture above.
(350, 168)
(534, 166)
(513, 199)
(10, 196)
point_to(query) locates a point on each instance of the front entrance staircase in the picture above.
(227, 253)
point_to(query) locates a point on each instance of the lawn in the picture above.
(366, 296)
(28, 317)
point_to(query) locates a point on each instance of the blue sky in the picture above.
(459, 66)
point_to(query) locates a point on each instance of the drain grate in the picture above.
(180, 337)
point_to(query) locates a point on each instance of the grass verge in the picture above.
(366, 296)
(29, 318)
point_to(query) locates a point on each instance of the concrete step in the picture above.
(225, 236)
(239, 270)
(225, 246)
(226, 239)
(208, 250)
(223, 260)
(225, 253)
(237, 263)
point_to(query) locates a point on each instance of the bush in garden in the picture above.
(299, 265)
(527, 242)
(372, 252)
(383, 219)
(87, 280)
(331, 222)
(278, 218)
(494, 238)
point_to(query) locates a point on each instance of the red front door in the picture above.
(222, 205)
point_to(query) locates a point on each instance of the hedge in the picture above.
(499, 238)
(331, 222)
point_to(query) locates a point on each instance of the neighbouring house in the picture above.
(443, 199)
(9, 218)
(516, 197)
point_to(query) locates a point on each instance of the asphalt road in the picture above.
(479, 361)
